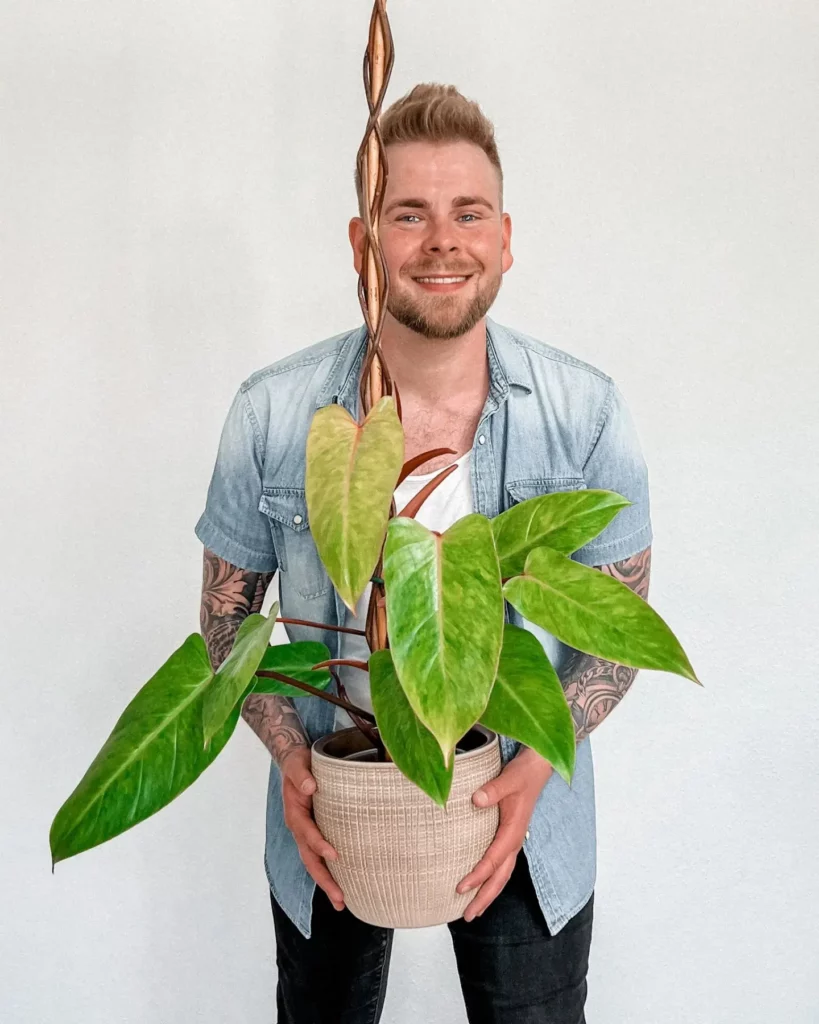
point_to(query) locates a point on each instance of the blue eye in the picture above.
(405, 215)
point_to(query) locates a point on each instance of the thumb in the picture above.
(493, 792)
(298, 772)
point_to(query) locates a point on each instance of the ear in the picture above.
(357, 234)
(507, 259)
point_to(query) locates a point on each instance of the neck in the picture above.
(435, 369)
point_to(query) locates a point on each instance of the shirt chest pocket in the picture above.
(296, 552)
(521, 490)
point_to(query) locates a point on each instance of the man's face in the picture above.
(440, 218)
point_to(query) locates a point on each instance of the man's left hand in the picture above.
(515, 791)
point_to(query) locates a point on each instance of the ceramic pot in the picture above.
(400, 855)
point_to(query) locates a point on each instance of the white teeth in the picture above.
(440, 280)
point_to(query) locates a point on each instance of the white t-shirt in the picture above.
(446, 505)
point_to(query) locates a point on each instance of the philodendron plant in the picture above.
(450, 660)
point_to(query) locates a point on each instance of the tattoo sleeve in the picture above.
(594, 687)
(229, 595)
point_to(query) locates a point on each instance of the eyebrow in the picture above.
(422, 204)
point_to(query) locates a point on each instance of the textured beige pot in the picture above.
(400, 855)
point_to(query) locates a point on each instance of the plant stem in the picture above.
(352, 662)
(322, 625)
(331, 697)
(367, 729)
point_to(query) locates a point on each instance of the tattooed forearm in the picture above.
(229, 595)
(594, 687)
(277, 724)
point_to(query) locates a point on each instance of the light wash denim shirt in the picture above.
(551, 422)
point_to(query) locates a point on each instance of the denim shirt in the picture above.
(551, 422)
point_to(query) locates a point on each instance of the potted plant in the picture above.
(394, 793)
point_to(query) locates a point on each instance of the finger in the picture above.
(298, 816)
(322, 877)
(491, 890)
(300, 822)
(508, 840)
(309, 834)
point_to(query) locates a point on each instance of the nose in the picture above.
(440, 237)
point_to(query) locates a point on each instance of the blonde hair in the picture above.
(431, 112)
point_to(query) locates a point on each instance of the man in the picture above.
(534, 419)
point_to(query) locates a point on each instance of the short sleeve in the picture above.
(232, 525)
(615, 463)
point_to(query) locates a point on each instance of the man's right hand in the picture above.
(298, 786)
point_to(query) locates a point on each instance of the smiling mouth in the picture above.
(442, 282)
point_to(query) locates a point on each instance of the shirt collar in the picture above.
(507, 366)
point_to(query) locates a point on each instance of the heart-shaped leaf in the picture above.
(237, 670)
(411, 745)
(154, 752)
(294, 660)
(563, 521)
(352, 471)
(595, 613)
(445, 620)
(528, 702)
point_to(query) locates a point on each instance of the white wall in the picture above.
(176, 186)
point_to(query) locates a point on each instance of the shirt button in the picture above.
(297, 520)
(482, 439)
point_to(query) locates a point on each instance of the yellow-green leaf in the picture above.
(563, 521)
(445, 620)
(237, 670)
(154, 752)
(295, 660)
(528, 702)
(595, 613)
(411, 745)
(352, 470)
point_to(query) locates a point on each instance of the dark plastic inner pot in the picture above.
(352, 745)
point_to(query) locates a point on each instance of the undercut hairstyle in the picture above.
(431, 112)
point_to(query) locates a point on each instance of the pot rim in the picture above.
(317, 750)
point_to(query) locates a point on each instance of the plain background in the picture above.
(177, 179)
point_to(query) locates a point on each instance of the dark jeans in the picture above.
(512, 971)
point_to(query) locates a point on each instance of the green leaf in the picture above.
(411, 745)
(595, 613)
(294, 660)
(154, 752)
(445, 620)
(528, 702)
(351, 473)
(237, 670)
(563, 521)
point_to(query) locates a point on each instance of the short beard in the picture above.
(409, 313)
